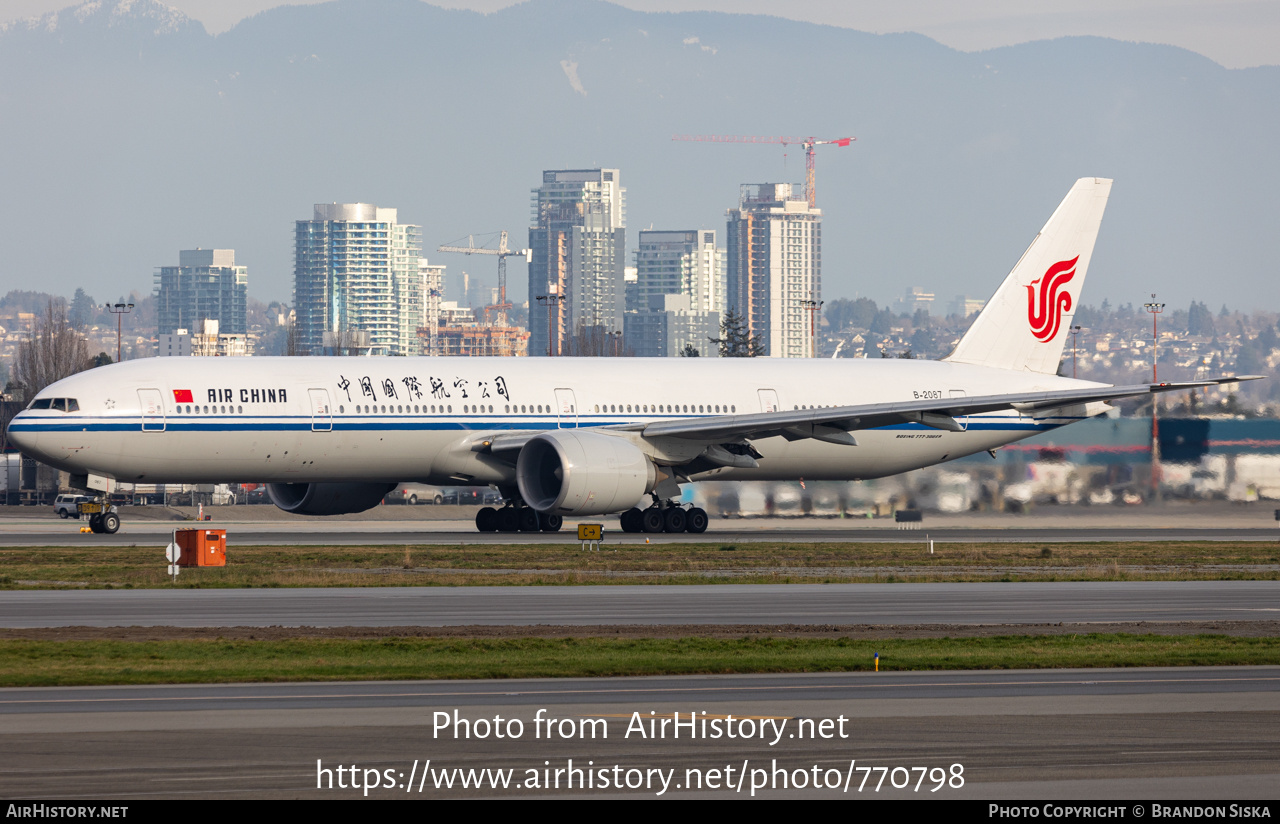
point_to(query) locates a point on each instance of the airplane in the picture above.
(583, 437)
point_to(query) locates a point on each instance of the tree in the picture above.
(735, 340)
(843, 313)
(20, 300)
(883, 321)
(55, 351)
(1200, 320)
(690, 351)
(82, 309)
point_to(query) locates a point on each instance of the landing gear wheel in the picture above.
(673, 520)
(95, 523)
(528, 519)
(487, 519)
(110, 523)
(651, 520)
(695, 520)
(508, 519)
(630, 520)
(550, 523)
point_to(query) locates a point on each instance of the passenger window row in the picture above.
(658, 409)
(393, 409)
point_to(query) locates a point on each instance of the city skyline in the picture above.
(934, 193)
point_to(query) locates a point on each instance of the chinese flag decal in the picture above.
(182, 396)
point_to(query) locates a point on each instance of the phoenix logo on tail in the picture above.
(1044, 309)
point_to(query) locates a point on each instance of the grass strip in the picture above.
(657, 563)
(67, 663)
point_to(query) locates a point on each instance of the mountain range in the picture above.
(128, 133)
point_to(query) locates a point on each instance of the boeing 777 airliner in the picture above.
(583, 436)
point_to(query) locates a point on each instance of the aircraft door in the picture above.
(959, 394)
(321, 411)
(566, 409)
(152, 403)
(768, 400)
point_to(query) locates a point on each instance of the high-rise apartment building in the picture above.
(356, 281)
(686, 264)
(578, 238)
(681, 263)
(205, 285)
(668, 325)
(775, 266)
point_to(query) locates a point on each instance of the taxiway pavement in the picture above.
(937, 603)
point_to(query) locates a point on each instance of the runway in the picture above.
(940, 603)
(1208, 733)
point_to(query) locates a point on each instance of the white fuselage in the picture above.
(316, 420)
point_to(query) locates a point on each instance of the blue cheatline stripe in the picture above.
(304, 424)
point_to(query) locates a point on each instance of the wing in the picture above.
(726, 433)
(939, 413)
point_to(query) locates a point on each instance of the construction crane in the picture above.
(503, 253)
(809, 144)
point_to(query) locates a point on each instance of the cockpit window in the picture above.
(57, 404)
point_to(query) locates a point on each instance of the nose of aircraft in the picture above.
(21, 436)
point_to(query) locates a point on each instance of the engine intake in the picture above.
(327, 499)
(575, 472)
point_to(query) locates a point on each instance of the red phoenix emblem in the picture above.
(1046, 305)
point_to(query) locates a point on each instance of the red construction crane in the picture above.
(809, 143)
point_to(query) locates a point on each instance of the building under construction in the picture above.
(479, 340)
(459, 333)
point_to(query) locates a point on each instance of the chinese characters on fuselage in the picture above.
(369, 387)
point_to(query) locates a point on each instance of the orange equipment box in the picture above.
(202, 547)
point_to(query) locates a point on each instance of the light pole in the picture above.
(1075, 331)
(119, 309)
(813, 306)
(1155, 309)
(549, 301)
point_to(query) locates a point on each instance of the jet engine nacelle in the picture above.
(327, 499)
(574, 472)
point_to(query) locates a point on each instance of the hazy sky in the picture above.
(1235, 33)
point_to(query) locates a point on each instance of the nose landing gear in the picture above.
(103, 519)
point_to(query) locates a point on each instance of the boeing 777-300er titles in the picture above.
(583, 437)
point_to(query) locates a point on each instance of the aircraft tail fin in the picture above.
(1026, 323)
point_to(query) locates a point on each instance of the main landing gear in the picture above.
(515, 517)
(671, 518)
